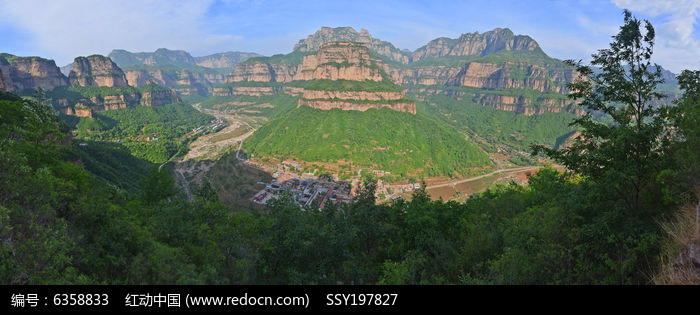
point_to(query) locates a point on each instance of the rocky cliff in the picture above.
(340, 61)
(495, 60)
(344, 75)
(28, 73)
(158, 97)
(348, 34)
(224, 60)
(2, 82)
(174, 78)
(177, 69)
(96, 70)
(475, 44)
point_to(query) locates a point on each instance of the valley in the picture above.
(471, 159)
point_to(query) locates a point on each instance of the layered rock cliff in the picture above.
(174, 78)
(29, 73)
(2, 82)
(475, 44)
(348, 34)
(344, 75)
(177, 69)
(340, 61)
(96, 70)
(225, 60)
(496, 60)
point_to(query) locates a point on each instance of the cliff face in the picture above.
(22, 73)
(350, 105)
(497, 60)
(157, 98)
(475, 44)
(166, 56)
(177, 69)
(349, 62)
(96, 70)
(340, 61)
(2, 82)
(175, 79)
(348, 34)
(224, 60)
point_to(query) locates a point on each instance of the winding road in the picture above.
(482, 176)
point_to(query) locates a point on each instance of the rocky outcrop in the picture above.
(350, 105)
(509, 75)
(224, 60)
(179, 80)
(165, 56)
(527, 106)
(262, 72)
(348, 34)
(2, 82)
(518, 63)
(96, 70)
(349, 62)
(25, 73)
(475, 44)
(157, 98)
(246, 90)
(177, 69)
(353, 95)
(340, 61)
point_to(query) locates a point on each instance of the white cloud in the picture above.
(66, 29)
(674, 21)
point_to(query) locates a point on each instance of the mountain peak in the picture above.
(475, 44)
(348, 34)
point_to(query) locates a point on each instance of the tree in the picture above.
(685, 117)
(623, 155)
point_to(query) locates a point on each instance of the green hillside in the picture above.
(498, 128)
(398, 142)
(151, 133)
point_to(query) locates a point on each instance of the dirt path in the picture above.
(526, 168)
(204, 147)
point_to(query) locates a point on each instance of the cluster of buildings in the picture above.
(323, 190)
(216, 125)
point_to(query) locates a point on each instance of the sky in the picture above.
(565, 29)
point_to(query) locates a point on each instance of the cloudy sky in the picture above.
(566, 29)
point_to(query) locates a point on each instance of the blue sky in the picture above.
(566, 29)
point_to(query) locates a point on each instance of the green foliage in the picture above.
(74, 93)
(114, 163)
(498, 127)
(293, 58)
(350, 85)
(281, 103)
(172, 69)
(389, 140)
(133, 126)
(624, 155)
(61, 225)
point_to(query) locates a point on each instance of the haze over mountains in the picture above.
(488, 62)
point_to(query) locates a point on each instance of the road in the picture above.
(482, 176)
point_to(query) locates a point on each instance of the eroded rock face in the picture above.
(548, 76)
(224, 60)
(352, 95)
(157, 98)
(181, 78)
(348, 34)
(96, 70)
(475, 44)
(2, 82)
(340, 61)
(23, 73)
(350, 105)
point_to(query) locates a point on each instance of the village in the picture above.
(306, 188)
